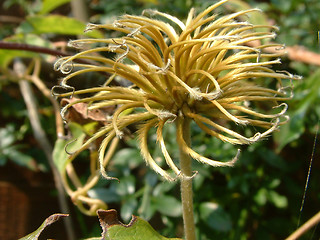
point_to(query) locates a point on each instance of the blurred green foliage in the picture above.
(257, 199)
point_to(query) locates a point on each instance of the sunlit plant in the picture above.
(205, 70)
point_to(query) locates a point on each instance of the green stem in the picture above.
(186, 186)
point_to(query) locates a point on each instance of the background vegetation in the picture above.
(260, 198)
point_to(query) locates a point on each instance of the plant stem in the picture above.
(186, 186)
(31, 48)
(38, 49)
(79, 10)
(44, 143)
(305, 227)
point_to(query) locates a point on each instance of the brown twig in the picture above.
(300, 54)
(294, 53)
(43, 141)
(10, 19)
(38, 49)
(49, 51)
(305, 227)
(32, 48)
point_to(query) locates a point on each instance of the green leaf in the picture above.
(137, 229)
(60, 156)
(290, 131)
(278, 200)
(167, 205)
(146, 210)
(6, 56)
(3, 159)
(271, 158)
(20, 158)
(257, 18)
(215, 217)
(296, 126)
(129, 157)
(57, 24)
(108, 195)
(49, 5)
(7, 136)
(274, 183)
(163, 187)
(261, 197)
(11, 151)
(126, 186)
(53, 218)
(282, 5)
(127, 208)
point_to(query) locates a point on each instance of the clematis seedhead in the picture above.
(205, 69)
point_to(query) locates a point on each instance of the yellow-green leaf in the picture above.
(137, 229)
(49, 5)
(60, 156)
(257, 18)
(53, 218)
(58, 24)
